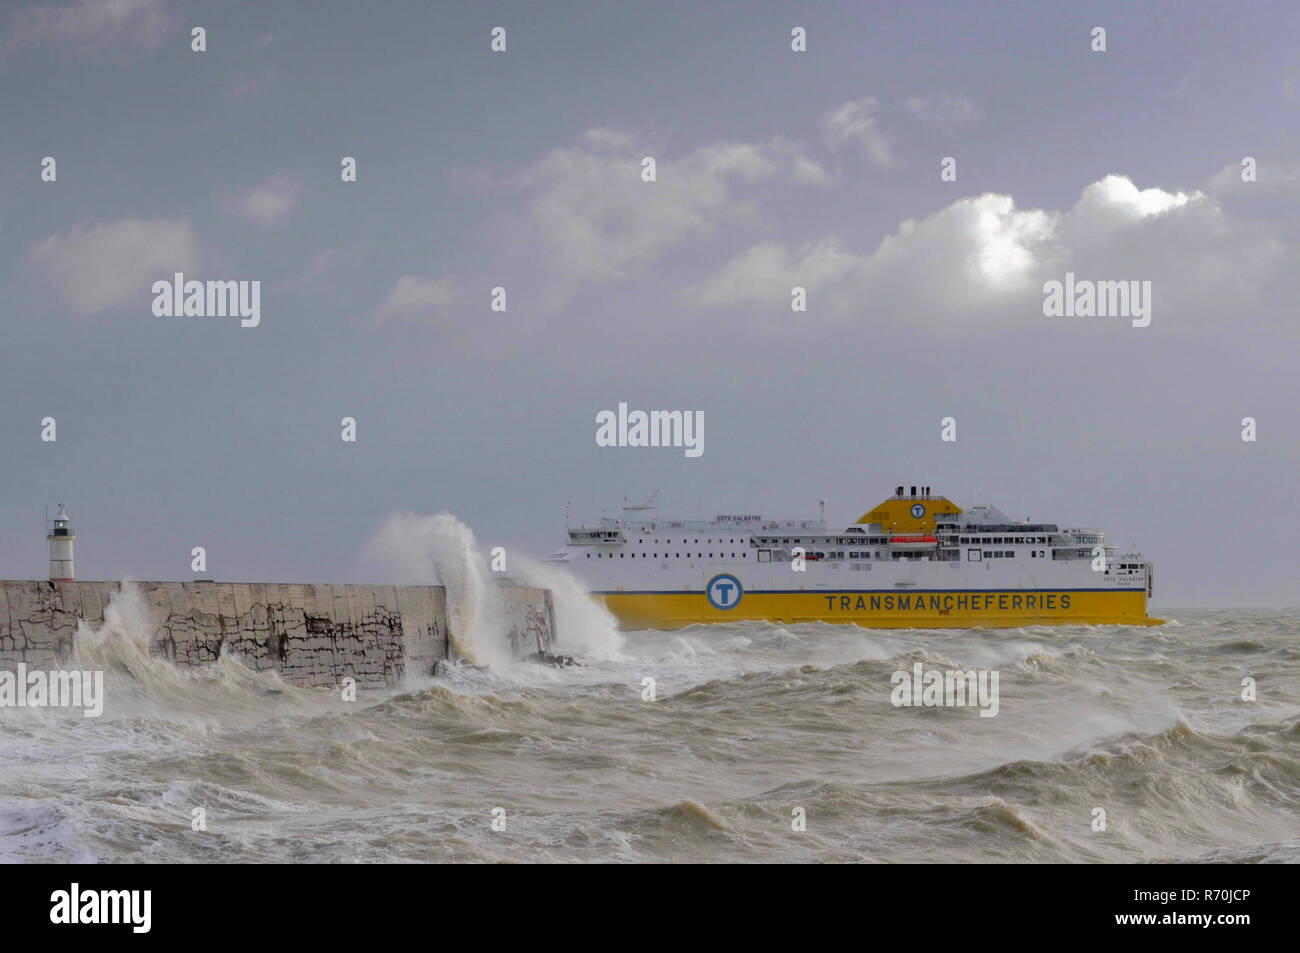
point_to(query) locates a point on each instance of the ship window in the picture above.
(988, 555)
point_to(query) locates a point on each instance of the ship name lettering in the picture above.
(976, 602)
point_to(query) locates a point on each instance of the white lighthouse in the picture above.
(61, 537)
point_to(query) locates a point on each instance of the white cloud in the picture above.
(1276, 188)
(269, 203)
(415, 298)
(943, 108)
(768, 271)
(94, 23)
(972, 248)
(976, 250)
(855, 122)
(606, 137)
(114, 264)
(806, 171)
(1116, 195)
(981, 261)
(598, 220)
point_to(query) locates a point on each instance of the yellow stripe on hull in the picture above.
(926, 609)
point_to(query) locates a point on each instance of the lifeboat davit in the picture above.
(907, 543)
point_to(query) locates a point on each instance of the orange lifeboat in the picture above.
(912, 542)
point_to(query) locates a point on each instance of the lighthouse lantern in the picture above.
(61, 537)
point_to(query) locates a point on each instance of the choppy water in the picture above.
(751, 721)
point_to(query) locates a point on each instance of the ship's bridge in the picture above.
(591, 535)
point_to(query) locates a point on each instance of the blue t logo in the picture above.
(719, 591)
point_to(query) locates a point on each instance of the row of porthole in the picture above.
(641, 542)
(676, 555)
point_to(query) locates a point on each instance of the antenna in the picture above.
(649, 504)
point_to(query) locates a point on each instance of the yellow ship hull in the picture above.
(916, 609)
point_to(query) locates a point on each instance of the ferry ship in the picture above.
(915, 561)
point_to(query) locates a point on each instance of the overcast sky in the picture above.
(523, 169)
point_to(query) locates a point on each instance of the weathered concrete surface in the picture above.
(313, 635)
(532, 619)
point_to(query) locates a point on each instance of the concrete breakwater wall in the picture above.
(313, 635)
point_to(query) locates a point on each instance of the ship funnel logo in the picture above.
(724, 592)
(918, 510)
